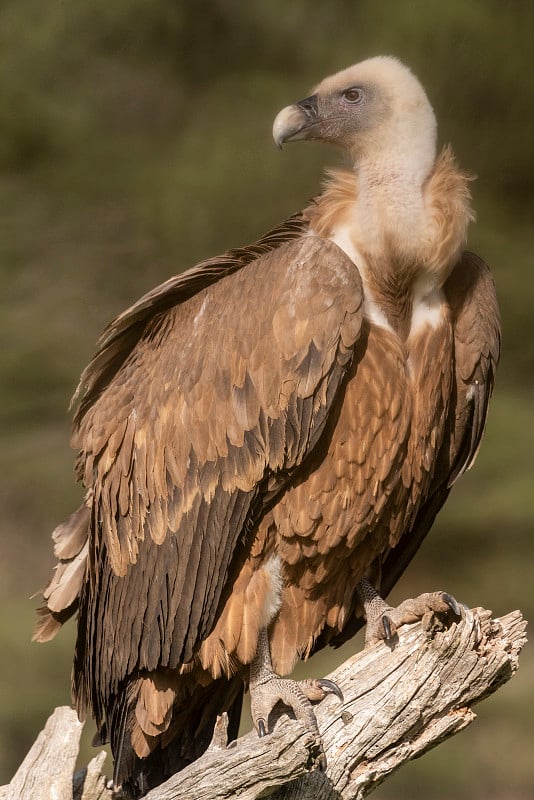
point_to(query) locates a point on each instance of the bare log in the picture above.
(47, 770)
(399, 702)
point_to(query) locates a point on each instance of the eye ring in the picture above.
(354, 95)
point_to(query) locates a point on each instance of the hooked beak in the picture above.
(294, 122)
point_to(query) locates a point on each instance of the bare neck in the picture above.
(391, 209)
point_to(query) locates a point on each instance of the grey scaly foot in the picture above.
(383, 620)
(267, 689)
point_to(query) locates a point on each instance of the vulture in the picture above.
(266, 439)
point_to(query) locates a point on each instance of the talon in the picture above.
(452, 603)
(388, 627)
(267, 689)
(331, 688)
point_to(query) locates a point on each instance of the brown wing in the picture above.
(125, 331)
(218, 401)
(62, 595)
(477, 342)
(470, 292)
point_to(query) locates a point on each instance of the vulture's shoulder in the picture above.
(288, 243)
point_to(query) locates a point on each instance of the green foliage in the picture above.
(135, 140)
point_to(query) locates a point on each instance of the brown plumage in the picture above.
(258, 434)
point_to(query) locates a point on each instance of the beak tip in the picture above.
(279, 131)
(296, 122)
(288, 124)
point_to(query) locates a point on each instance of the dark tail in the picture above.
(189, 735)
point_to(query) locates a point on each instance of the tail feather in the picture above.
(187, 738)
(123, 752)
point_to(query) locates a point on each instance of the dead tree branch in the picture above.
(399, 703)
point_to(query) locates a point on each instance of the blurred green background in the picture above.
(135, 139)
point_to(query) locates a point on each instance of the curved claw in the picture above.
(388, 627)
(262, 729)
(330, 688)
(452, 603)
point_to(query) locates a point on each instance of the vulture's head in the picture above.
(370, 109)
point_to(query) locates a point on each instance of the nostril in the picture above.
(309, 105)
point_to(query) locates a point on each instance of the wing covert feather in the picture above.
(226, 393)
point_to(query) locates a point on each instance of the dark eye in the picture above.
(353, 95)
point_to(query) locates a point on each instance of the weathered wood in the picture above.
(403, 704)
(399, 702)
(90, 783)
(46, 772)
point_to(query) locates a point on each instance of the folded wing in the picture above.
(206, 419)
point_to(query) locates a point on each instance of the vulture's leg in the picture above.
(383, 620)
(267, 689)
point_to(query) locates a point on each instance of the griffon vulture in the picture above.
(266, 438)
